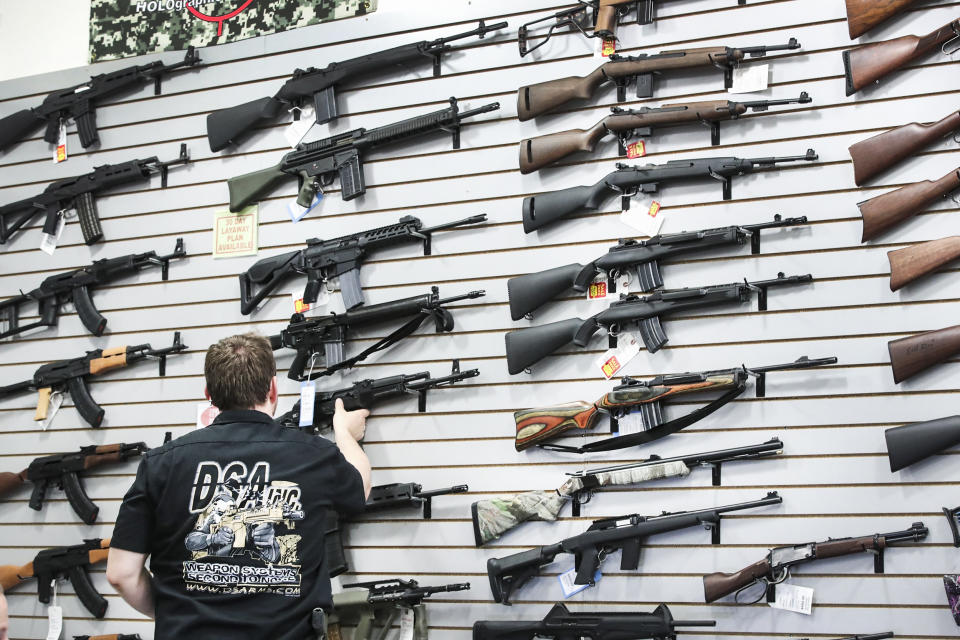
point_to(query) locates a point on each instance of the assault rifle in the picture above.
(339, 257)
(913, 354)
(890, 209)
(627, 181)
(863, 15)
(80, 102)
(74, 286)
(492, 518)
(71, 375)
(78, 193)
(63, 562)
(329, 333)
(877, 154)
(602, 538)
(526, 347)
(536, 99)
(318, 164)
(112, 636)
(64, 470)
(625, 124)
(915, 442)
(646, 397)
(528, 293)
(871, 62)
(775, 568)
(913, 262)
(365, 394)
(319, 86)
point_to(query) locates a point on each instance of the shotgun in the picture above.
(913, 354)
(863, 15)
(916, 261)
(890, 209)
(881, 152)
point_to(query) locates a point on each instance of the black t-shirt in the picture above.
(233, 518)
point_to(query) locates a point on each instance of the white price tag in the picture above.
(406, 623)
(644, 216)
(56, 401)
(299, 128)
(60, 151)
(308, 394)
(54, 622)
(613, 360)
(750, 78)
(206, 412)
(567, 585)
(790, 597)
(48, 243)
(631, 423)
(296, 212)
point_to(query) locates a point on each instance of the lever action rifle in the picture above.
(78, 193)
(526, 347)
(318, 164)
(626, 124)
(602, 538)
(871, 62)
(890, 209)
(340, 257)
(528, 293)
(310, 336)
(71, 375)
(75, 286)
(877, 154)
(64, 469)
(645, 397)
(536, 99)
(913, 354)
(628, 181)
(80, 102)
(318, 87)
(492, 518)
(863, 15)
(72, 563)
(366, 394)
(915, 442)
(913, 262)
(775, 568)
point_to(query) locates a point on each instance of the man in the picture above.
(232, 516)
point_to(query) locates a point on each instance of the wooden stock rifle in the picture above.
(863, 15)
(913, 354)
(890, 209)
(881, 152)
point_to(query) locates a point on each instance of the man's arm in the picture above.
(4, 620)
(128, 574)
(348, 429)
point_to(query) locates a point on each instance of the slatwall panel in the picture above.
(834, 475)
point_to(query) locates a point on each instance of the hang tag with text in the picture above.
(567, 585)
(613, 360)
(56, 401)
(206, 412)
(297, 212)
(297, 129)
(644, 216)
(406, 623)
(308, 394)
(631, 423)
(60, 151)
(54, 615)
(790, 597)
(48, 243)
(750, 78)
(636, 149)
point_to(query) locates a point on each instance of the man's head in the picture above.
(241, 374)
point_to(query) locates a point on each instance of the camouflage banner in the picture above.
(123, 28)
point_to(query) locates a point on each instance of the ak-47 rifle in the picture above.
(626, 124)
(75, 286)
(890, 209)
(913, 262)
(913, 354)
(863, 15)
(528, 293)
(536, 99)
(883, 151)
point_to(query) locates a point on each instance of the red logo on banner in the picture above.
(219, 19)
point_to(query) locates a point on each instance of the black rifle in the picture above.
(546, 208)
(78, 193)
(339, 257)
(319, 86)
(367, 393)
(526, 347)
(407, 494)
(329, 333)
(118, 636)
(80, 102)
(74, 286)
(318, 164)
(530, 292)
(603, 537)
(71, 375)
(64, 469)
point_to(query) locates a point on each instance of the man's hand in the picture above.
(222, 538)
(351, 422)
(263, 535)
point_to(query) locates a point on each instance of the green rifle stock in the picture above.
(890, 209)
(863, 15)
(881, 152)
(913, 354)
(251, 187)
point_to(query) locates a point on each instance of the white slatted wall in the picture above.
(834, 475)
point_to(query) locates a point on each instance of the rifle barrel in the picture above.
(460, 488)
(456, 223)
(803, 99)
(466, 296)
(800, 363)
(493, 106)
(771, 447)
(427, 382)
(788, 222)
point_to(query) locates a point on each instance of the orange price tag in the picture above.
(636, 149)
(300, 306)
(654, 209)
(611, 366)
(597, 290)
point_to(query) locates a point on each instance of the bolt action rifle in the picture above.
(863, 15)
(913, 354)
(71, 375)
(626, 124)
(75, 286)
(892, 208)
(628, 181)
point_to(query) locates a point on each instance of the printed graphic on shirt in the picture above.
(243, 540)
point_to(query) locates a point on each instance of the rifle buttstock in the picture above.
(537, 425)
(913, 354)
(911, 263)
(717, 585)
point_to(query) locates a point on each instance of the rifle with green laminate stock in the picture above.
(892, 208)
(913, 354)
(881, 152)
(863, 15)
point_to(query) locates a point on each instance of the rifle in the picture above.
(339, 257)
(379, 602)
(526, 347)
(64, 470)
(627, 181)
(775, 568)
(309, 335)
(63, 562)
(534, 426)
(870, 62)
(112, 636)
(602, 538)
(536, 99)
(539, 152)
(915, 261)
(318, 164)
(74, 286)
(492, 518)
(528, 293)
(240, 521)
(890, 209)
(80, 102)
(877, 154)
(863, 15)
(914, 442)
(71, 375)
(319, 86)
(913, 354)
(78, 193)
(364, 394)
